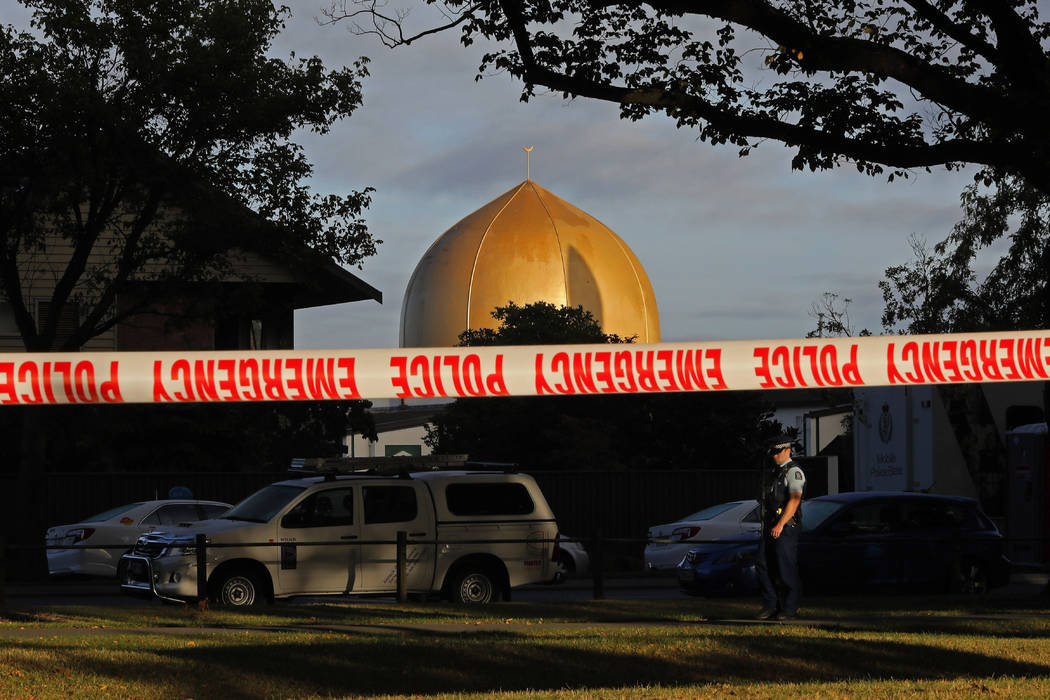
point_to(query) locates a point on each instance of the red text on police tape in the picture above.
(789, 366)
(33, 381)
(423, 376)
(629, 371)
(252, 379)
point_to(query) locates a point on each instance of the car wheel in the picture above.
(238, 589)
(972, 579)
(474, 586)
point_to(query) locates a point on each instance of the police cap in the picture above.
(780, 442)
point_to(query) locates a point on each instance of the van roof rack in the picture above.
(330, 467)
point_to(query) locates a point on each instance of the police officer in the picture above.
(777, 564)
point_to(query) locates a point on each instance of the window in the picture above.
(330, 508)
(68, 322)
(209, 511)
(390, 504)
(753, 516)
(488, 499)
(709, 512)
(265, 503)
(172, 514)
(8, 325)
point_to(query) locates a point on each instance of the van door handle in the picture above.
(348, 537)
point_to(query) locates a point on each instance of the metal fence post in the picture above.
(202, 570)
(3, 569)
(598, 565)
(402, 564)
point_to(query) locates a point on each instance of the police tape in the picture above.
(541, 370)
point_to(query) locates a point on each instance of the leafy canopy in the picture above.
(896, 84)
(960, 286)
(674, 431)
(150, 138)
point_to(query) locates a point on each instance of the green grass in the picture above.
(872, 647)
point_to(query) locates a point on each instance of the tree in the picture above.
(672, 431)
(896, 84)
(832, 314)
(944, 289)
(146, 140)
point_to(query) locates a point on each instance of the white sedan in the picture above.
(572, 559)
(95, 545)
(669, 543)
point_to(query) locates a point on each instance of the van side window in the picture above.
(331, 508)
(390, 504)
(488, 499)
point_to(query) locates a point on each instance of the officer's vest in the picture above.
(777, 496)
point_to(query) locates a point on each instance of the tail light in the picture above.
(79, 534)
(685, 533)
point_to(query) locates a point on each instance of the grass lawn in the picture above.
(849, 647)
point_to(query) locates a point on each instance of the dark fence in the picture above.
(615, 504)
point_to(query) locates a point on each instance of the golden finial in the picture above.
(528, 165)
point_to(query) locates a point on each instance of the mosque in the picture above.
(525, 246)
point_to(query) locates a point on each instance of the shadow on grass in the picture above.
(423, 662)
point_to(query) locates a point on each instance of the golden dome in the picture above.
(527, 245)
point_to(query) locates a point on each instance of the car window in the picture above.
(816, 513)
(172, 514)
(709, 512)
(265, 503)
(872, 517)
(488, 499)
(329, 508)
(209, 511)
(933, 516)
(112, 512)
(390, 504)
(753, 516)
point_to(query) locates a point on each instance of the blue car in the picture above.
(879, 541)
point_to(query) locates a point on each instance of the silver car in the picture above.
(75, 549)
(670, 542)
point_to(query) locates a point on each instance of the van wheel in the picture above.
(474, 586)
(238, 589)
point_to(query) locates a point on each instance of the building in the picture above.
(246, 302)
(525, 246)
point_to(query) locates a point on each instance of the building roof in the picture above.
(525, 246)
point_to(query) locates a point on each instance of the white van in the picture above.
(472, 536)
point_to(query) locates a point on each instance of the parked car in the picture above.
(870, 541)
(119, 526)
(572, 559)
(669, 543)
(473, 535)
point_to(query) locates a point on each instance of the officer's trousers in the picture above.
(777, 569)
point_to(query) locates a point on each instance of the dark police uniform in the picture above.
(777, 561)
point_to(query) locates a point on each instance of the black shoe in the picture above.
(765, 614)
(783, 616)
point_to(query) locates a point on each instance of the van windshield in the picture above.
(265, 503)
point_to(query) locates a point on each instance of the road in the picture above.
(105, 592)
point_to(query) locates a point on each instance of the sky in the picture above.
(736, 248)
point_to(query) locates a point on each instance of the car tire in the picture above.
(238, 588)
(971, 579)
(473, 586)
